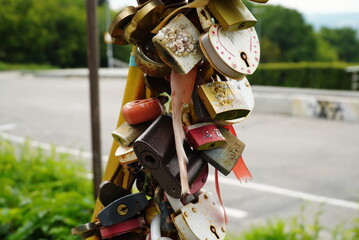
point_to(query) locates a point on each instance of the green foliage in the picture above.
(344, 40)
(288, 30)
(14, 66)
(300, 228)
(39, 31)
(304, 75)
(43, 194)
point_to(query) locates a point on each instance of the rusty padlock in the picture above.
(225, 157)
(205, 211)
(155, 149)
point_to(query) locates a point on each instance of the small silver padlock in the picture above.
(201, 220)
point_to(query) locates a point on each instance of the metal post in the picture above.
(93, 65)
(109, 49)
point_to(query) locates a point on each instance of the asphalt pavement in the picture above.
(296, 162)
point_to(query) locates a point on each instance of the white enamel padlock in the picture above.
(201, 220)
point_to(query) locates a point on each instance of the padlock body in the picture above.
(208, 213)
(222, 102)
(233, 15)
(224, 158)
(125, 134)
(204, 136)
(130, 225)
(155, 149)
(140, 111)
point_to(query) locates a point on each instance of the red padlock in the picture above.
(204, 136)
(141, 110)
(123, 227)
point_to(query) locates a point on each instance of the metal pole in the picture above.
(93, 65)
(109, 49)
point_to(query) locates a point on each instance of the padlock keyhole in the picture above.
(245, 58)
(213, 229)
(150, 160)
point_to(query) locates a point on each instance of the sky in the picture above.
(304, 6)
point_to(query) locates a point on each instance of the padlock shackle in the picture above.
(155, 229)
(175, 203)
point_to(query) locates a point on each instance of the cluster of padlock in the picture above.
(194, 57)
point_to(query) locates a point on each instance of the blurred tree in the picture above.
(270, 51)
(325, 52)
(287, 29)
(40, 31)
(344, 40)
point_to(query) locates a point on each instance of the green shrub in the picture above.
(44, 194)
(304, 75)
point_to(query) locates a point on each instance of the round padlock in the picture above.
(235, 54)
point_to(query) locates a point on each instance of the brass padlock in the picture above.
(125, 134)
(221, 101)
(116, 29)
(199, 111)
(224, 158)
(155, 149)
(177, 44)
(232, 15)
(149, 62)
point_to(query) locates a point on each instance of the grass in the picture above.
(23, 66)
(44, 194)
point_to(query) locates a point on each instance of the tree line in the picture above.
(54, 32)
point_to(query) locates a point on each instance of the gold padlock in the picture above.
(221, 101)
(232, 14)
(143, 22)
(122, 18)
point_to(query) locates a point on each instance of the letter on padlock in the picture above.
(201, 220)
(232, 15)
(142, 110)
(155, 149)
(204, 136)
(122, 209)
(224, 158)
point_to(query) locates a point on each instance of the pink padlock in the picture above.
(122, 227)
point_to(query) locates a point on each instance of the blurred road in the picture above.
(294, 161)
